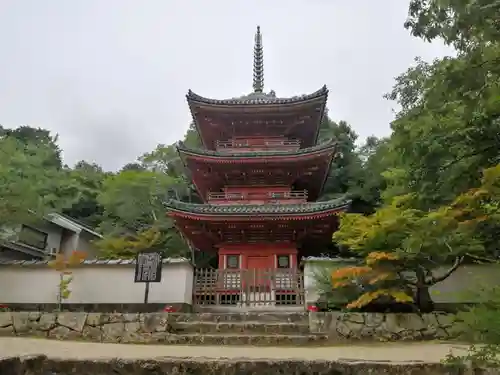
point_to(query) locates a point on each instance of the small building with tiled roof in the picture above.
(44, 238)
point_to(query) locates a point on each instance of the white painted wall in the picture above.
(461, 287)
(95, 284)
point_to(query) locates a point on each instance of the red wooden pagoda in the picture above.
(259, 175)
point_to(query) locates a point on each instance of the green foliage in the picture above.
(37, 137)
(481, 323)
(134, 215)
(29, 180)
(164, 240)
(83, 183)
(462, 23)
(135, 198)
(419, 240)
(330, 297)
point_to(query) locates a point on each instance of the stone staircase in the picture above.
(253, 328)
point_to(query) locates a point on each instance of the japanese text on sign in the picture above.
(148, 267)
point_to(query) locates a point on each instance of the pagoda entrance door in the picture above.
(258, 291)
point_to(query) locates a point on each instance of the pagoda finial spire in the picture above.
(258, 63)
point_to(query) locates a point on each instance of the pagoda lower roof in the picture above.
(257, 212)
(239, 156)
(258, 98)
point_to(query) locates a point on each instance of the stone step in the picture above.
(239, 339)
(240, 327)
(282, 317)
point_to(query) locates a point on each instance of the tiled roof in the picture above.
(259, 209)
(87, 262)
(308, 150)
(258, 98)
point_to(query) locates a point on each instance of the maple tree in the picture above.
(406, 249)
(63, 264)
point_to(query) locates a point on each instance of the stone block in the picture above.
(155, 322)
(111, 318)
(47, 321)
(95, 319)
(92, 333)
(5, 319)
(113, 332)
(21, 322)
(72, 320)
(7, 330)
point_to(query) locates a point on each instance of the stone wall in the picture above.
(41, 365)
(105, 327)
(384, 327)
(229, 329)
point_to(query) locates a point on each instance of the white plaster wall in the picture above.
(95, 284)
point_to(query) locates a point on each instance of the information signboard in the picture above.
(148, 266)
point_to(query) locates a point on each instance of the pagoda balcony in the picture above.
(258, 197)
(236, 146)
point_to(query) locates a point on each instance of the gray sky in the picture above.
(110, 76)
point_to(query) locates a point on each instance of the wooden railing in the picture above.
(249, 287)
(257, 145)
(294, 194)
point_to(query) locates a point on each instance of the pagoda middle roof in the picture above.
(258, 98)
(259, 209)
(329, 145)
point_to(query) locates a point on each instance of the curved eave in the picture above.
(255, 156)
(207, 212)
(195, 98)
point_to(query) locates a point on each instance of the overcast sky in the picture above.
(110, 76)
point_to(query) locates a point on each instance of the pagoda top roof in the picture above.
(259, 98)
(260, 209)
(260, 153)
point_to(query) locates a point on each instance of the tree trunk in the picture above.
(423, 299)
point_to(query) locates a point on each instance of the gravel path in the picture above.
(393, 352)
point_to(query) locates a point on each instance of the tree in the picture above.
(463, 23)
(448, 128)
(29, 180)
(63, 264)
(82, 186)
(449, 131)
(481, 320)
(379, 280)
(133, 167)
(163, 240)
(405, 247)
(133, 205)
(192, 138)
(37, 137)
(375, 159)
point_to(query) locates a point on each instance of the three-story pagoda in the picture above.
(259, 174)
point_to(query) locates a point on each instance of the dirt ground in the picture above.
(390, 352)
